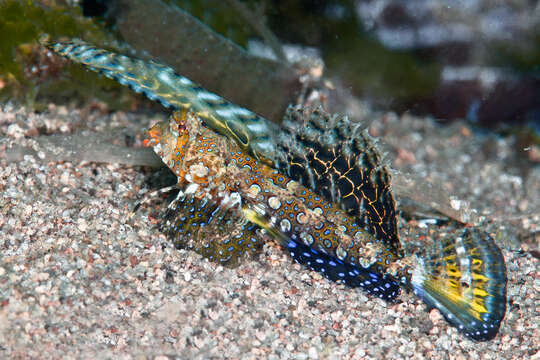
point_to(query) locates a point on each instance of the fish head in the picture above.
(170, 140)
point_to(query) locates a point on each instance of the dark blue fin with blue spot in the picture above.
(211, 228)
(382, 286)
(462, 273)
(333, 269)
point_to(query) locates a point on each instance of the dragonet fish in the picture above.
(317, 185)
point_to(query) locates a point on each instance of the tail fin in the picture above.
(464, 276)
(382, 286)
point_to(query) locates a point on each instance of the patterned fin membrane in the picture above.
(211, 229)
(161, 84)
(464, 276)
(336, 159)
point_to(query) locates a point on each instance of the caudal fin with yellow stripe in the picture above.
(464, 276)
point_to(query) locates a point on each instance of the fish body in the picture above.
(241, 201)
(229, 201)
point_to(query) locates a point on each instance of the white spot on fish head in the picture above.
(254, 189)
(191, 188)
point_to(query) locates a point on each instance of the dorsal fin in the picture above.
(160, 83)
(334, 158)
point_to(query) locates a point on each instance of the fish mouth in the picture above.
(153, 136)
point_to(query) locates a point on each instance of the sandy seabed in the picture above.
(79, 279)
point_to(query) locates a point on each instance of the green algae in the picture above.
(29, 76)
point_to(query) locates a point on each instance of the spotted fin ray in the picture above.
(463, 275)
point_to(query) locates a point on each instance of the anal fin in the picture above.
(382, 286)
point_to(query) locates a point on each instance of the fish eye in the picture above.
(177, 127)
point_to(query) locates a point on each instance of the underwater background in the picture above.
(452, 88)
